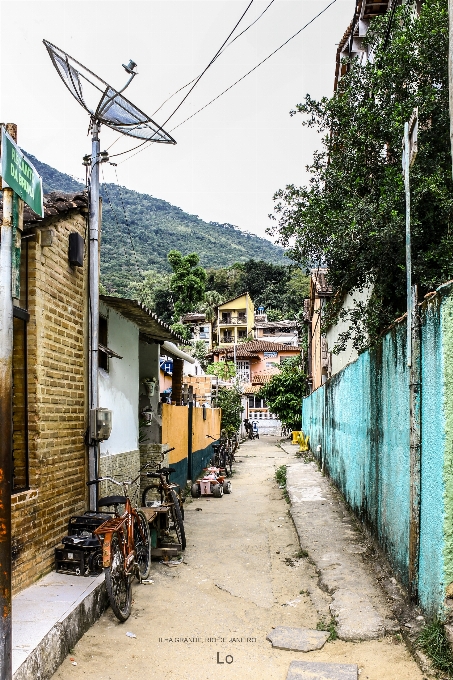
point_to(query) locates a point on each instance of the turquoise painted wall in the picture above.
(360, 417)
(431, 572)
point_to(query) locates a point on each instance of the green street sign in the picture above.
(20, 175)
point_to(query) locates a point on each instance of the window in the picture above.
(243, 370)
(242, 334)
(226, 317)
(254, 402)
(103, 356)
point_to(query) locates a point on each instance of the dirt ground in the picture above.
(241, 575)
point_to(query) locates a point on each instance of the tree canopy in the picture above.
(187, 282)
(284, 393)
(351, 215)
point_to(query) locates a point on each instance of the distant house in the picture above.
(200, 329)
(323, 362)
(235, 320)
(282, 332)
(319, 358)
(256, 362)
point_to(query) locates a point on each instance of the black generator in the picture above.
(81, 553)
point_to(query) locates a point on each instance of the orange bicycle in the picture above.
(126, 547)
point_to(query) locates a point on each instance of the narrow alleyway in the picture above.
(243, 573)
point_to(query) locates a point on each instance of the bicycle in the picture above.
(126, 547)
(169, 497)
(223, 457)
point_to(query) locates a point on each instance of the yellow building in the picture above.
(235, 320)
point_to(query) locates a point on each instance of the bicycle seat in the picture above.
(167, 471)
(153, 474)
(111, 500)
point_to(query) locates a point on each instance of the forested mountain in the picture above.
(139, 230)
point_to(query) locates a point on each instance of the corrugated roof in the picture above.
(55, 203)
(252, 349)
(193, 316)
(147, 321)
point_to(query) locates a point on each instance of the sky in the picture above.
(229, 159)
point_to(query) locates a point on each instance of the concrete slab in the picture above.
(327, 532)
(297, 639)
(316, 670)
(49, 617)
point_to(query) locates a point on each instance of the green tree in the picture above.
(222, 369)
(284, 392)
(182, 330)
(154, 292)
(351, 216)
(199, 352)
(187, 282)
(229, 400)
(212, 299)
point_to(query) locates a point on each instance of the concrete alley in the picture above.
(243, 574)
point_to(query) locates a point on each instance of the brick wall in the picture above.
(57, 378)
(120, 466)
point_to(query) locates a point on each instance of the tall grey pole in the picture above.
(406, 161)
(6, 428)
(450, 70)
(94, 305)
(413, 362)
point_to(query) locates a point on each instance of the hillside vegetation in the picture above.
(139, 230)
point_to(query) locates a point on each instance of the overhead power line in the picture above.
(221, 52)
(257, 66)
(197, 80)
(240, 79)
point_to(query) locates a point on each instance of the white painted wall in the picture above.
(339, 361)
(118, 388)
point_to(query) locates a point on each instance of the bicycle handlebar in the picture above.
(108, 479)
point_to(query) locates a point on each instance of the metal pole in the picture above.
(94, 304)
(6, 428)
(415, 448)
(413, 362)
(450, 69)
(406, 161)
(189, 438)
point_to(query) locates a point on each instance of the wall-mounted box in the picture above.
(75, 250)
(100, 424)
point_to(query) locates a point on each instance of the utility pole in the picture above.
(413, 363)
(450, 70)
(93, 454)
(6, 419)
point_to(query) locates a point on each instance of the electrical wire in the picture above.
(221, 52)
(197, 80)
(237, 81)
(104, 184)
(192, 81)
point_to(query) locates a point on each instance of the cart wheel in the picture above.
(195, 491)
(218, 491)
(226, 486)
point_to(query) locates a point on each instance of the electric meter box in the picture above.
(100, 424)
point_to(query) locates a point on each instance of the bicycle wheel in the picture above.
(151, 490)
(142, 542)
(229, 463)
(176, 516)
(117, 581)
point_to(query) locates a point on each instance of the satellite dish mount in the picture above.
(106, 106)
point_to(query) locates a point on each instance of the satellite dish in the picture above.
(106, 106)
(112, 108)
